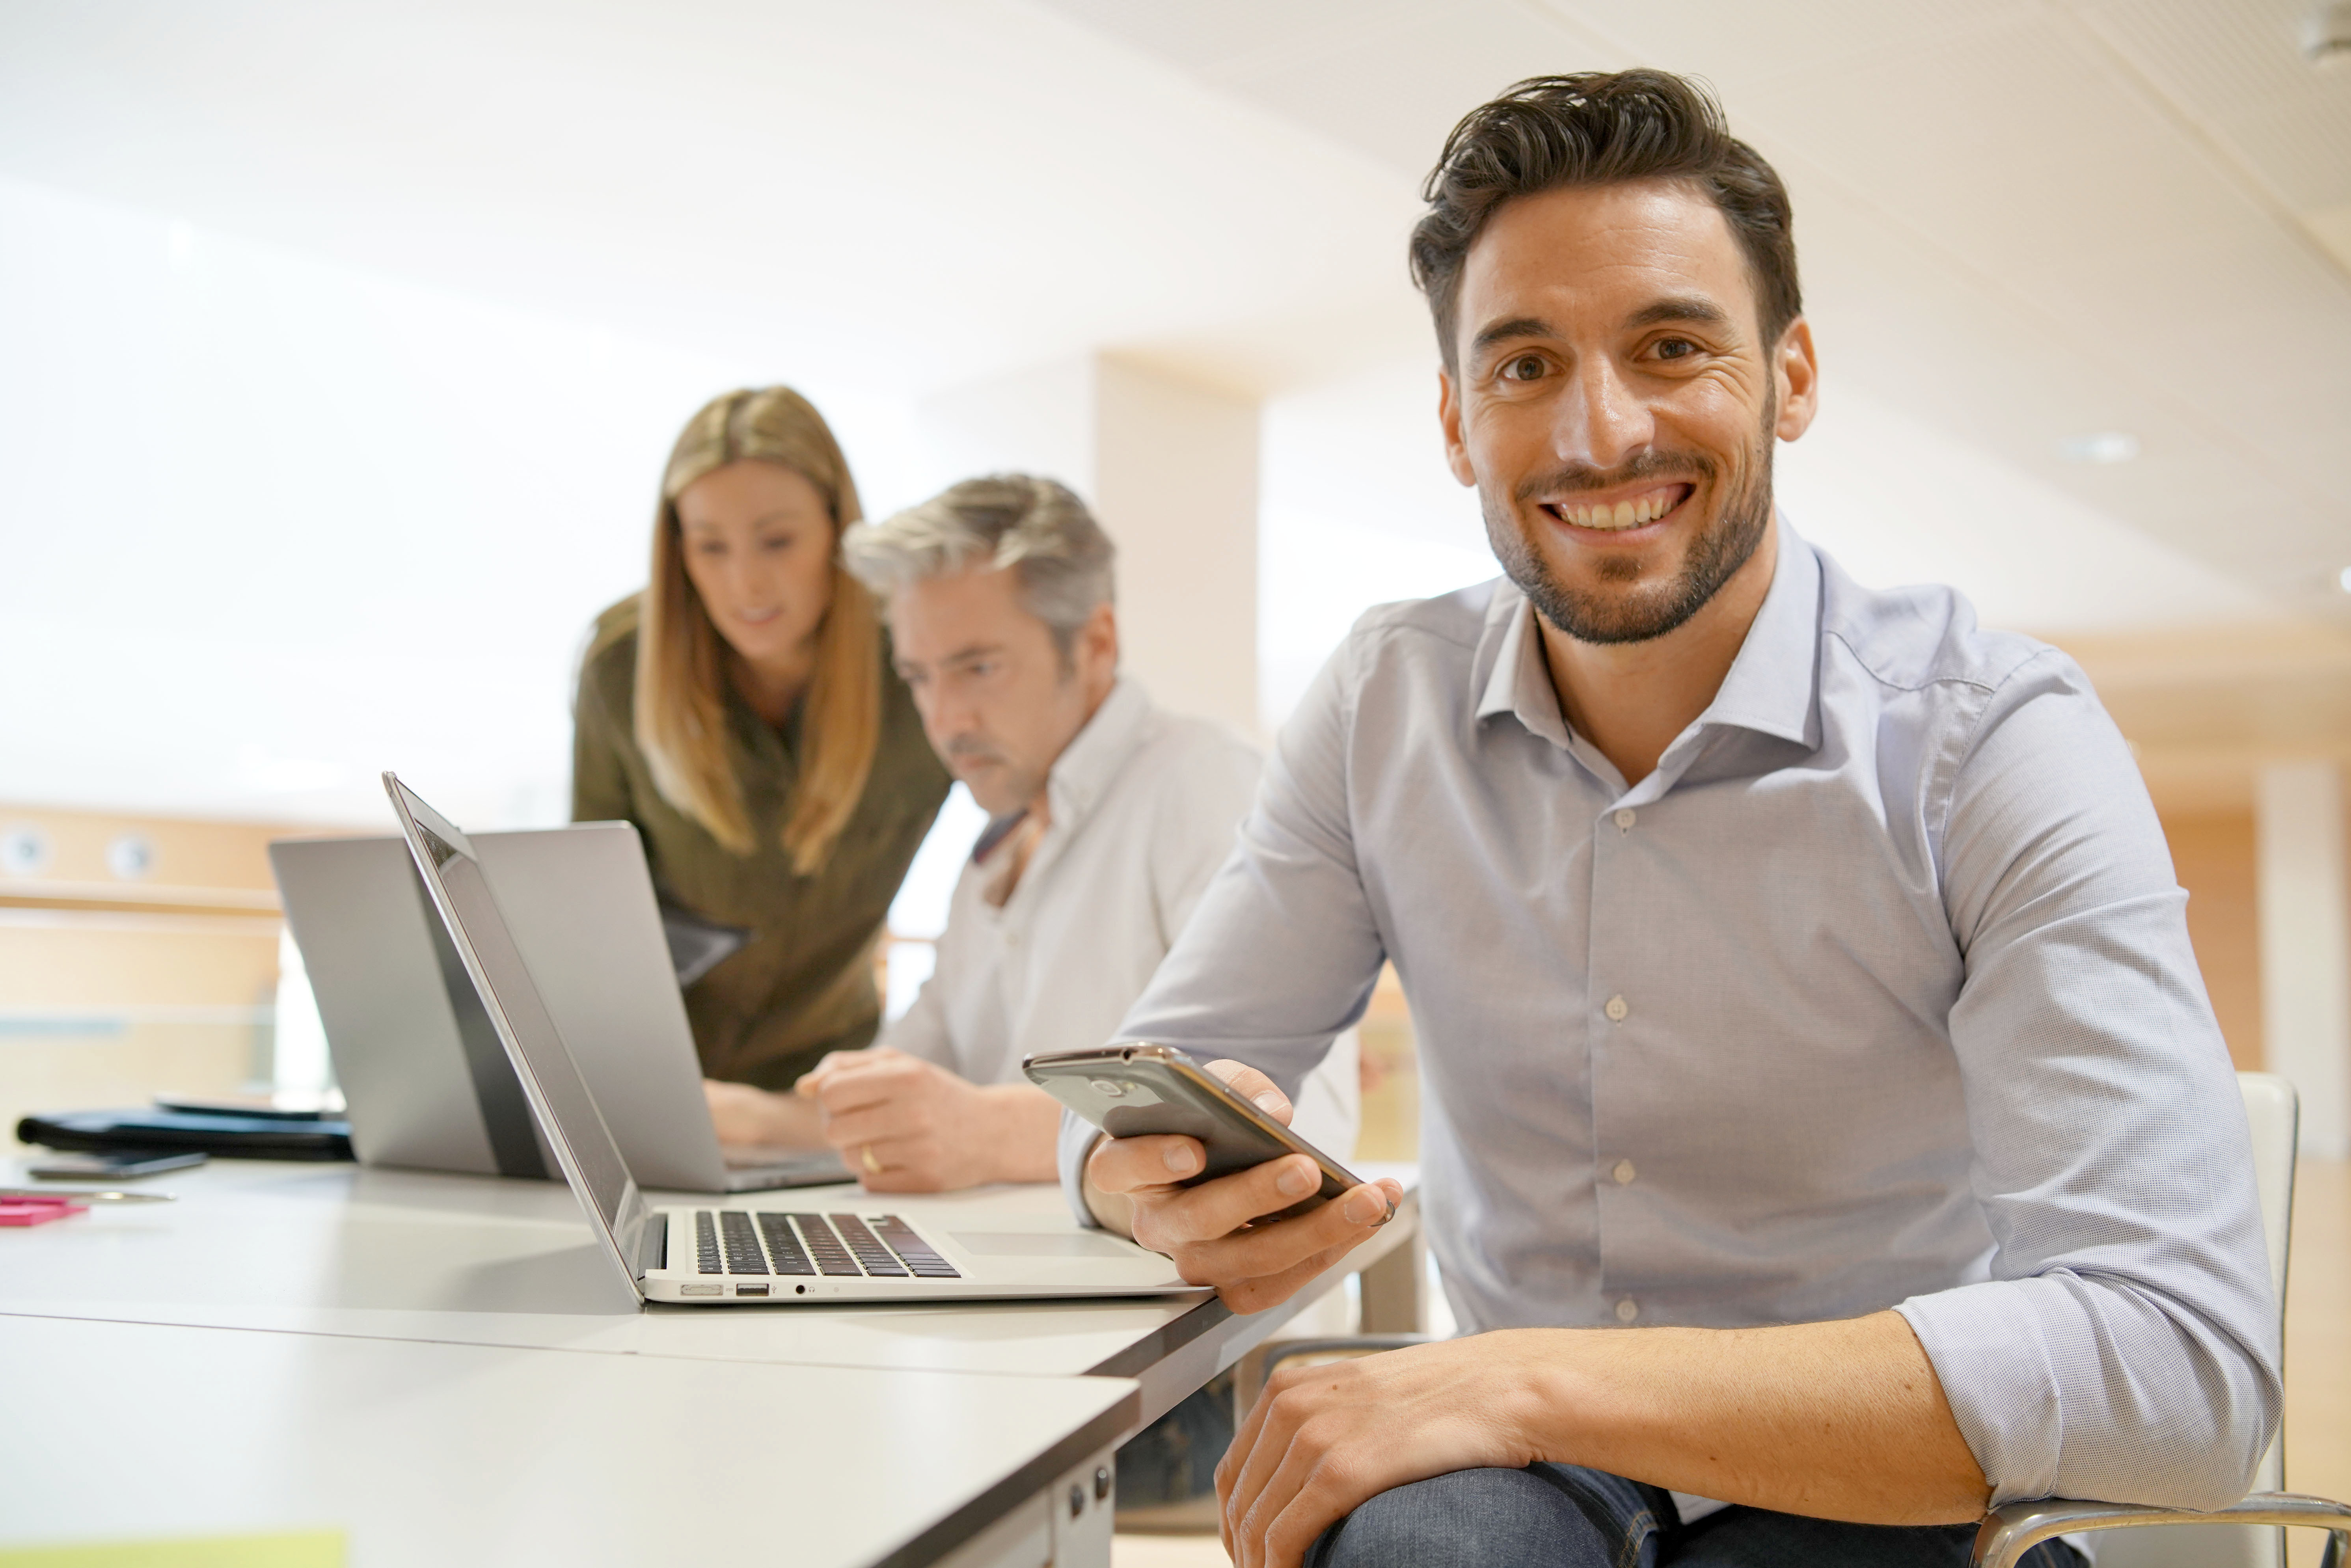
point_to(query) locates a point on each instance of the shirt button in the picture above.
(1623, 1173)
(1626, 817)
(1628, 1309)
(1616, 1009)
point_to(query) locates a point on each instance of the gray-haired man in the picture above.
(1109, 816)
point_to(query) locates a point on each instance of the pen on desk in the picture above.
(70, 1195)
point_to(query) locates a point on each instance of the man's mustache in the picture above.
(966, 749)
(1583, 477)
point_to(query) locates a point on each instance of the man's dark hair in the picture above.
(1600, 127)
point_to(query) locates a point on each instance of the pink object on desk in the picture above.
(37, 1211)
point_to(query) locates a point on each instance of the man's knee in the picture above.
(1544, 1514)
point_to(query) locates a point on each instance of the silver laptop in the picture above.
(428, 1084)
(851, 1249)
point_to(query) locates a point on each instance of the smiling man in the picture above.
(1826, 1133)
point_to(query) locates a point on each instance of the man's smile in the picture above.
(1619, 510)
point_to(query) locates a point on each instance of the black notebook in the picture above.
(190, 1133)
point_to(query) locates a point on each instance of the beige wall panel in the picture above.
(114, 990)
(2305, 932)
(186, 853)
(70, 960)
(2213, 855)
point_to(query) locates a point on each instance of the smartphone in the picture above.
(1132, 1091)
(112, 1165)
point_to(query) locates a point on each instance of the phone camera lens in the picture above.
(1107, 1087)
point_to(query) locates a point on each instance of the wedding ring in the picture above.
(865, 1158)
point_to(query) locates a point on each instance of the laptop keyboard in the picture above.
(738, 1241)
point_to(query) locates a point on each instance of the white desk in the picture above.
(334, 1249)
(462, 1285)
(464, 1454)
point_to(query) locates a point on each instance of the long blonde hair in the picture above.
(681, 698)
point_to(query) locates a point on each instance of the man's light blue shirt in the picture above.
(1876, 993)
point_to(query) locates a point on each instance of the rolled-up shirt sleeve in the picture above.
(1281, 952)
(2127, 1345)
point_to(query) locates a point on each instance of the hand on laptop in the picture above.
(748, 1117)
(904, 1125)
(1201, 1226)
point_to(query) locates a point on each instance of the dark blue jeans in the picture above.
(1562, 1516)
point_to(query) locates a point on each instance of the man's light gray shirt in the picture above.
(1141, 809)
(1877, 993)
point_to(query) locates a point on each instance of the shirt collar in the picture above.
(1773, 685)
(1084, 771)
(1510, 671)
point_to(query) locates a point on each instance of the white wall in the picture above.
(269, 524)
(1357, 508)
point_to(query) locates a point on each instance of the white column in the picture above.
(1175, 483)
(2305, 937)
(1170, 468)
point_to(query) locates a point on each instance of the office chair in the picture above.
(2247, 1534)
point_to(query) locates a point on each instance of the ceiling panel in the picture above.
(2144, 289)
(1389, 79)
(1729, 41)
(2236, 72)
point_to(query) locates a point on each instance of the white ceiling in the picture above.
(917, 192)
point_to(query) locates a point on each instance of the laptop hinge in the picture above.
(653, 1246)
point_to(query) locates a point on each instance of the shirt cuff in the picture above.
(1076, 1141)
(1990, 1349)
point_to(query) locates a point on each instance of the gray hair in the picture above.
(1035, 527)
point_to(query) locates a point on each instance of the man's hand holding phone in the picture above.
(1217, 1232)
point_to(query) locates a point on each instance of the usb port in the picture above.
(750, 1290)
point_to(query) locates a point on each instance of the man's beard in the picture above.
(1639, 614)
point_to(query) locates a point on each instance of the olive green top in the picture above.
(803, 984)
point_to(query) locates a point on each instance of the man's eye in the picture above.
(1675, 348)
(1525, 368)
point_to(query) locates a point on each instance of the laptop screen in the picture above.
(582, 1142)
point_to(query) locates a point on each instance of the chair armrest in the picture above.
(1250, 1373)
(2011, 1531)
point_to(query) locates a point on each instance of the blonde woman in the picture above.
(742, 712)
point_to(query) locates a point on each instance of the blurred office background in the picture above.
(340, 348)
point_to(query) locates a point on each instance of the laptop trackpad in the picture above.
(1040, 1244)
